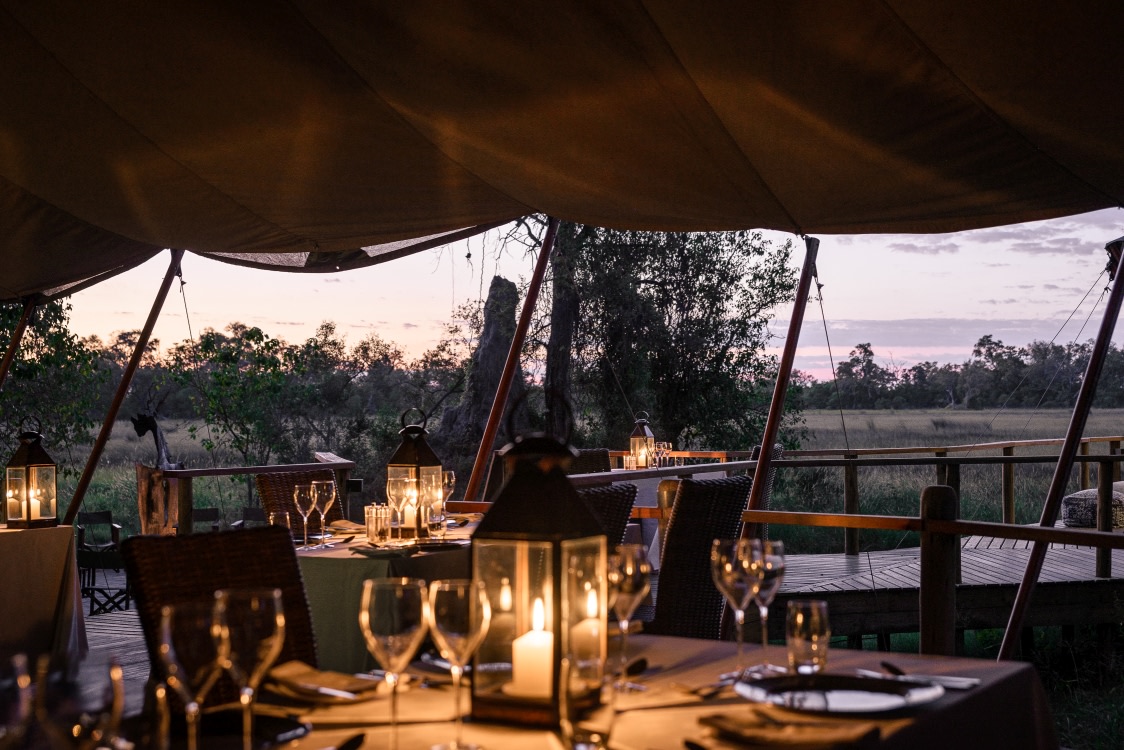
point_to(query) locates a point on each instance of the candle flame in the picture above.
(591, 604)
(538, 615)
(505, 595)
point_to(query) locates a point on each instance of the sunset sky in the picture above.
(912, 297)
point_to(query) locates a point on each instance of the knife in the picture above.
(952, 682)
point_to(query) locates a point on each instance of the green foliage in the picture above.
(1040, 374)
(54, 378)
(676, 325)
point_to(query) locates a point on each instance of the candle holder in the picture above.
(418, 470)
(30, 491)
(541, 554)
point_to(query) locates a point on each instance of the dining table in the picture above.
(333, 581)
(1006, 708)
(40, 599)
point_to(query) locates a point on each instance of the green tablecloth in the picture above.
(333, 581)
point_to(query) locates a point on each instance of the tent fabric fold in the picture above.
(257, 130)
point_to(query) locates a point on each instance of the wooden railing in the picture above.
(170, 492)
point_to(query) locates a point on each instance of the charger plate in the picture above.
(838, 694)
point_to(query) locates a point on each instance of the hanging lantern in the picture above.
(29, 485)
(413, 479)
(642, 442)
(541, 553)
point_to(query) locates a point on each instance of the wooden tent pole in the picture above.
(122, 389)
(504, 388)
(1068, 450)
(776, 407)
(17, 336)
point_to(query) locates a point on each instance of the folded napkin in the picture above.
(297, 680)
(342, 524)
(751, 730)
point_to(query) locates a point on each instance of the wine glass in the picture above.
(17, 716)
(305, 503)
(251, 623)
(392, 618)
(448, 484)
(736, 567)
(772, 559)
(458, 616)
(193, 651)
(628, 574)
(324, 494)
(397, 492)
(63, 723)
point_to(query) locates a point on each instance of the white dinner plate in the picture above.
(838, 694)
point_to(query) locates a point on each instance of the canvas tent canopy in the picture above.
(313, 136)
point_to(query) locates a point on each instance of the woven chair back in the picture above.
(687, 602)
(613, 505)
(275, 490)
(591, 461)
(172, 569)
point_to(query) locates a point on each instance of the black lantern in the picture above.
(30, 491)
(413, 479)
(642, 442)
(541, 553)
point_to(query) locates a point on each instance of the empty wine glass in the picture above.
(305, 503)
(459, 615)
(736, 567)
(324, 494)
(772, 565)
(392, 618)
(252, 625)
(64, 723)
(16, 701)
(629, 577)
(397, 493)
(193, 650)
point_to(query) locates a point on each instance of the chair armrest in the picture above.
(115, 533)
(80, 536)
(238, 524)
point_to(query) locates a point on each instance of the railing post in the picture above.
(939, 562)
(850, 503)
(1009, 487)
(180, 502)
(1084, 470)
(942, 470)
(1104, 516)
(1114, 449)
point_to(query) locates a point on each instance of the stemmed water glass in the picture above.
(193, 651)
(305, 503)
(772, 565)
(392, 618)
(62, 723)
(18, 703)
(628, 574)
(736, 567)
(397, 492)
(458, 616)
(251, 623)
(324, 494)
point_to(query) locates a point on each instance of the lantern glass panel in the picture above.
(16, 493)
(429, 489)
(585, 613)
(518, 652)
(643, 448)
(41, 492)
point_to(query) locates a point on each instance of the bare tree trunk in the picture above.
(563, 318)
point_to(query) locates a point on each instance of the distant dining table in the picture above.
(1006, 709)
(40, 600)
(333, 582)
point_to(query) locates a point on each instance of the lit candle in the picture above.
(585, 637)
(532, 657)
(34, 502)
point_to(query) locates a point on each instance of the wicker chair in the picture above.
(613, 504)
(276, 493)
(170, 569)
(687, 602)
(591, 461)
